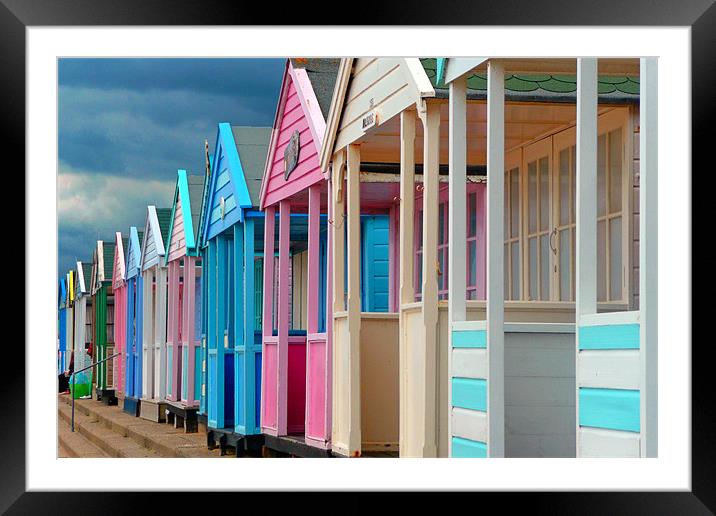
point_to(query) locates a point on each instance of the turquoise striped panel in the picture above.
(469, 393)
(465, 448)
(615, 409)
(613, 336)
(469, 338)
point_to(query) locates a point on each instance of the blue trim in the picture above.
(469, 393)
(612, 336)
(133, 254)
(237, 171)
(469, 339)
(615, 409)
(465, 448)
(441, 62)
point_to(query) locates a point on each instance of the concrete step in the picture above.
(74, 444)
(158, 438)
(109, 442)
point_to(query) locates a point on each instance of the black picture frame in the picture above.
(17, 15)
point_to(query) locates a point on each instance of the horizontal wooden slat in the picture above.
(469, 339)
(616, 336)
(594, 442)
(615, 369)
(469, 363)
(469, 424)
(465, 448)
(469, 393)
(614, 409)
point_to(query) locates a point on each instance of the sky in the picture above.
(125, 126)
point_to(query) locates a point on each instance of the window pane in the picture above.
(564, 187)
(472, 263)
(419, 274)
(615, 258)
(442, 283)
(508, 203)
(532, 247)
(532, 196)
(441, 223)
(472, 214)
(506, 269)
(544, 267)
(515, 255)
(515, 202)
(615, 171)
(544, 194)
(565, 288)
(601, 174)
(601, 262)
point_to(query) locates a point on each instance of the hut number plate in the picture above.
(369, 121)
(226, 341)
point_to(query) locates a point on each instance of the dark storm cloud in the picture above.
(126, 125)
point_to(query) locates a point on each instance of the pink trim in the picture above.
(310, 104)
(274, 136)
(297, 108)
(314, 221)
(284, 229)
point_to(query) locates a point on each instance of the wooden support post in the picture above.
(222, 325)
(314, 222)
(407, 205)
(648, 253)
(160, 335)
(329, 314)
(586, 203)
(354, 295)
(457, 234)
(249, 290)
(495, 265)
(407, 236)
(238, 291)
(267, 315)
(284, 237)
(431, 177)
(586, 208)
(338, 232)
(188, 336)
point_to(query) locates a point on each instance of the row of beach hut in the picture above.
(419, 258)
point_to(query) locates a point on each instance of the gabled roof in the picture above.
(84, 277)
(312, 82)
(187, 193)
(118, 261)
(133, 256)
(418, 85)
(237, 168)
(156, 232)
(108, 261)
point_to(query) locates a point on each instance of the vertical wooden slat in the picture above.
(431, 156)
(189, 337)
(329, 315)
(314, 221)
(339, 239)
(249, 289)
(354, 296)
(267, 324)
(648, 252)
(160, 332)
(495, 264)
(407, 237)
(586, 201)
(222, 325)
(238, 316)
(457, 234)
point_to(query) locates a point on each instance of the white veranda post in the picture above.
(476, 361)
(616, 351)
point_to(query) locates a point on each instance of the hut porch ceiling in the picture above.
(524, 122)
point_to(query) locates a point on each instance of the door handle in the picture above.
(552, 234)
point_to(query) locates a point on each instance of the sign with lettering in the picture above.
(369, 121)
(290, 154)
